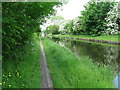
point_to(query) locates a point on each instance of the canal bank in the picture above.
(75, 72)
(100, 39)
(104, 54)
(100, 54)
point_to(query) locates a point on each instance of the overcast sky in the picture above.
(72, 9)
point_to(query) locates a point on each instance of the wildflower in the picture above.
(9, 75)
(0, 83)
(9, 85)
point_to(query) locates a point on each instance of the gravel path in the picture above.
(46, 80)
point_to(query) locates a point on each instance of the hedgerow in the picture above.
(20, 20)
(94, 15)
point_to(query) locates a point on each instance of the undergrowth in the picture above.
(22, 69)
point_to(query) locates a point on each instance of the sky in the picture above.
(72, 9)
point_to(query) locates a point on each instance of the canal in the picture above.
(100, 54)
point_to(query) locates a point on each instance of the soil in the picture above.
(46, 79)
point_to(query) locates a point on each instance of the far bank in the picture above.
(110, 39)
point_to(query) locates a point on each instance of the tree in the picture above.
(53, 29)
(20, 21)
(69, 27)
(94, 15)
(111, 21)
(76, 26)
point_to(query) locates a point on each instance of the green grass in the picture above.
(69, 71)
(105, 44)
(23, 70)
(103, 37)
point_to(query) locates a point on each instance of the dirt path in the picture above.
(46, 80)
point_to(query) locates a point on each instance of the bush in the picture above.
(20, 21)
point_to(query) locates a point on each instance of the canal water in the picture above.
(101, 54)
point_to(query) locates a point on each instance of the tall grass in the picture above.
(69, 71)
(22, 70)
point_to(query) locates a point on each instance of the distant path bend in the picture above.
(46, 80)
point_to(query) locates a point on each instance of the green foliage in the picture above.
(76, 28)
(111, 21)
(93, 17)
(53, 29)
(118, 22)
(20, 21)
(22, 69)
(69, 27)
(56, 18)
(74, 71)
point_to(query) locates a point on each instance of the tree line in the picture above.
(97, 19)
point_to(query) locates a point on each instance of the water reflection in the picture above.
(101, 55)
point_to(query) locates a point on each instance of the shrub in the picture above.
(20, 21)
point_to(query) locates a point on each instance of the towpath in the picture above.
(46, 80)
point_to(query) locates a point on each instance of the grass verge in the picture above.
(69, 71)
(22, 70)
(104, 37)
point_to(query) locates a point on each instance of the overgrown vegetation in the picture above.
(22, 69)
(69, 71)
(20, 46)
(21, 51)
(20, 20)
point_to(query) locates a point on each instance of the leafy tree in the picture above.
(20, 21)
(69, 27)
(111, 21)
(53, 29)
(76, 26)
(94, 15)
(56, 18)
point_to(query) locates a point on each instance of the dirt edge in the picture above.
(46, 79)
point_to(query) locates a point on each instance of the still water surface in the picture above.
(101, 55)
